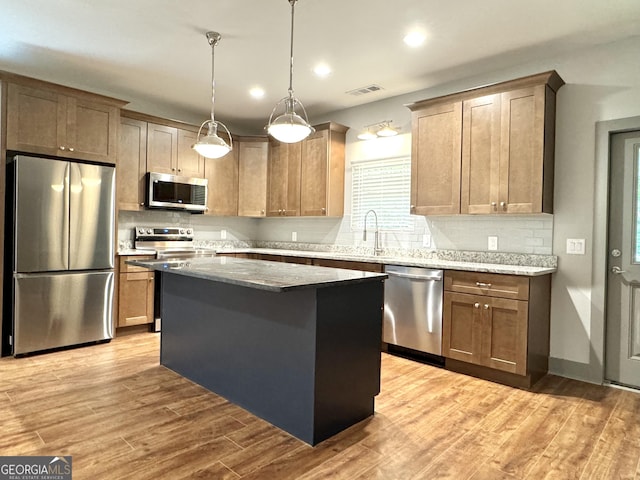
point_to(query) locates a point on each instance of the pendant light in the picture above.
(290, 127)
(211, 145)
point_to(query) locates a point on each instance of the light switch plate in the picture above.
(294, 236)
(223, 234)
(426, 240)
(492, 242)
(576, 246)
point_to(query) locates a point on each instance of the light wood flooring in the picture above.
(123, 416)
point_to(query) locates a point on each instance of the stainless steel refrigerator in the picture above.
(61, 252)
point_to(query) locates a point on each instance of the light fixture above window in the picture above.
(380, 129)
(211, 145)
(290, 127)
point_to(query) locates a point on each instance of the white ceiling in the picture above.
(154, 54)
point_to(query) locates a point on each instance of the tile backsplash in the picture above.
(531, 234)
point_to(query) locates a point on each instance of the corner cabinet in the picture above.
(322, 171)
(497, 326)
(307, 178)
(53, 120)
(486, 150)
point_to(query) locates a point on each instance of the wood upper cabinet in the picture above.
(54, 121)
(169, 151)
(436, 159)
(222, 174)
(283, 186)
(253, 155)
(132, 164)
(322, 171)
(480, 155)
(500, 322)
(506, 149)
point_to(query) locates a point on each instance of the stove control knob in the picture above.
(141, 231)
(189, 231)
(149, 231)
(182, 231)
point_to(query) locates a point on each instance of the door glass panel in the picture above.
(635, 326)
(636, 202)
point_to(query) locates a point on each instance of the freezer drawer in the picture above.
(413, 308)
(58, 310)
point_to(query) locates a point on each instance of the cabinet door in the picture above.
(132, 164)
(36, 120)
(162, 149)
(190, 163)
(522, 150)
(314, 174)
(436, 159)
(480, 155)
(461, 327)
(135, 299)
(283, 193)
(504, 335)
(92, 130)
(252, 178)
(222, 174)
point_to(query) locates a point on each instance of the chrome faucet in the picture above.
(376, 245)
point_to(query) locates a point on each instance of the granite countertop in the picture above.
(467, 266)
(260, 274)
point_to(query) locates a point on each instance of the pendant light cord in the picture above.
(213, 41)
(293, 6)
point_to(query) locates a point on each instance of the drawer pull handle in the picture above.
(483, 285)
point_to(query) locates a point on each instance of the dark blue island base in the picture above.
(306, 360)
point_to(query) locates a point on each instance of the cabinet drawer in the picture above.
(126, 268)
(488, 284)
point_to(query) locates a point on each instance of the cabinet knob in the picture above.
(494, 205)
(173, 169)
(486, 307)
(476, 305)
(62, 147)
(503, 205)
(324, 210)
(179, 169)
(412, 208)
(71, 149)
(142, 204)
(262, 212)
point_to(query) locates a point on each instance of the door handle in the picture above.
(617, 270)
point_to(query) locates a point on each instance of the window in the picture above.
(384, 186)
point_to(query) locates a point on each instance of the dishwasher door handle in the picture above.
(436, 277)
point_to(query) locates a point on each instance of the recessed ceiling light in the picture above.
(414, 39)
(256, 92)
(322, 70)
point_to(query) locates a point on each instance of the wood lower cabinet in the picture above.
(135, 293)
(499, 323)
(253, 156)
(486, 150)
(348, 264)
(132, 164)
(54, 120)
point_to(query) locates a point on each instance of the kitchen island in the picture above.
(296, 345)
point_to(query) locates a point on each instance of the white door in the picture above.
(623, 278)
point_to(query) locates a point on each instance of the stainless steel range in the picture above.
(167, 242)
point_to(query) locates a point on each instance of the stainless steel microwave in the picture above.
(176, 193)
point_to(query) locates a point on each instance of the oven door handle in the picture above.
(434, 277)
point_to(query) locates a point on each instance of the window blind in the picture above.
(384, 186)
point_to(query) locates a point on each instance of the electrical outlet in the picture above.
(223, 234)
(426, 240)
(492, 242)
(294, 236)
(576, 246)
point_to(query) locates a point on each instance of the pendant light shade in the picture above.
(211, 145)
(289, 127)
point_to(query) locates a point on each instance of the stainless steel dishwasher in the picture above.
(413, 308)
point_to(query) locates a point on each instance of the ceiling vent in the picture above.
(364, 90)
